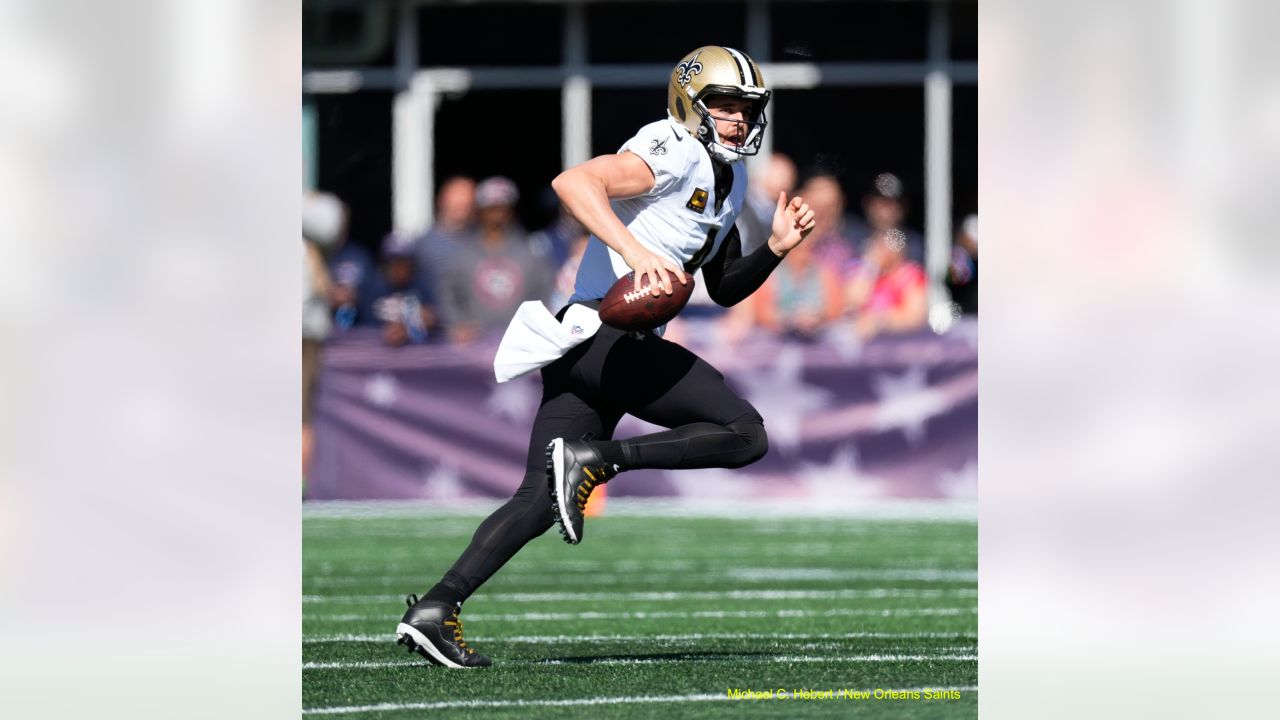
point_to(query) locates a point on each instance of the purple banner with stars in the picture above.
(893, 418)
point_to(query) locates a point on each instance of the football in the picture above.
(628, 309)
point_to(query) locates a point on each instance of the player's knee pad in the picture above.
(754, 438)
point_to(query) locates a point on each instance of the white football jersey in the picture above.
(676, 219)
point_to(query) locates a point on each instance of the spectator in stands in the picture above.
(455, 216)
(575, 238)
(777, 174)
(800, 298)
(887, 292)
(403, 301)
(555, 242)
(885, 208)
(490, 275)
(834, 240)
(962, 275)
(324, 225)
(354, 276)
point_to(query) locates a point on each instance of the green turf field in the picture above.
(650, 617)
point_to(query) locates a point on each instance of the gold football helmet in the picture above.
(715, 70)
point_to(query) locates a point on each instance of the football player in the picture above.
(663, 206)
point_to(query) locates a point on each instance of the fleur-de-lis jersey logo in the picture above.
(687, 69)
(658, 147)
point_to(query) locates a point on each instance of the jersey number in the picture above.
(695, 262)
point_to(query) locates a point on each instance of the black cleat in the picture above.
(574, 469)
(434, 631)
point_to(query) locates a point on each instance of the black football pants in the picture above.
(585, 393)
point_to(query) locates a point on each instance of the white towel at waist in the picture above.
(535, 338)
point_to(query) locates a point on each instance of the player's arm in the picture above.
(585, 190)
(731, 277)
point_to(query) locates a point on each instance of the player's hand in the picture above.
(656, 267)
(792, 223)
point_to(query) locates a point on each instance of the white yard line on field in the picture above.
(967, 656)
(664, 615)
(389, 637)
(380, 568)
(772, 658)
(818, 573)
(740, 574)
(567, 702)
(677, 595)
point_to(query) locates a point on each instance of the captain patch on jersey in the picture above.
(697, 201)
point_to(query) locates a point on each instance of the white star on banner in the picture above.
(846, 342)
(840, 479)
(782, 397)
(443, 482)
(960, 484)
(516, 400)
(906, 402)
(382, 390)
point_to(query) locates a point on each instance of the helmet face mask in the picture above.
(714, 70)
(709, 133)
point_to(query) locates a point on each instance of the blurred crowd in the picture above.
(463, 279)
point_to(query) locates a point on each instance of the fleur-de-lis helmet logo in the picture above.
(687, 69)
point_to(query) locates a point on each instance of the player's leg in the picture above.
(526, 515)
(710, 424)
(663, 383)
(668, 385)
(431, 626)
